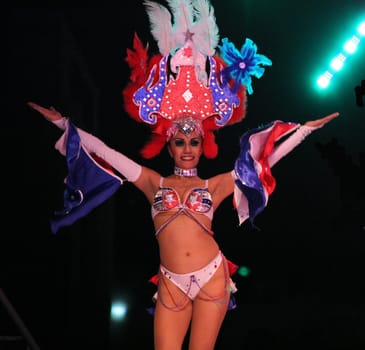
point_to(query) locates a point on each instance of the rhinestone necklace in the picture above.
(185, 172)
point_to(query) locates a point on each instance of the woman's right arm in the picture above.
(142, 177)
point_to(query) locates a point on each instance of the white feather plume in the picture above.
(161, 26)
(188, 16)
(206, 33)
(183, 13)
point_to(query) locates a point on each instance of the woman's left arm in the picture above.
(297, 137)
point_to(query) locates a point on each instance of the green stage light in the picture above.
(352, 44)
(243, 271)
(337, 63)
(324, 80)
(361, 29)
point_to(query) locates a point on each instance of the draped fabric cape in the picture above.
(90, 181)
(254, 181)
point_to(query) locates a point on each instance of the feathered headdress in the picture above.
(187, 85)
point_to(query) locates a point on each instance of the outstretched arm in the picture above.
(125, 166)
(51, 114)
(318, 123)
(253, 183)
(297, 137)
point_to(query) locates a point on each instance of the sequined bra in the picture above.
(198, 200)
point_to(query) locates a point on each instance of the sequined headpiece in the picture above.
(187, 86)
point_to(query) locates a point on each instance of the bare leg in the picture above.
(171, 326)
(207, 315)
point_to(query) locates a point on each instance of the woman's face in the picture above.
(186, 149)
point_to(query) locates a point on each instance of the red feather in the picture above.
(140, 65)
(158, 139)
(137, 59)
(210, 148)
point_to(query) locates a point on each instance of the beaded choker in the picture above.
(185, 172)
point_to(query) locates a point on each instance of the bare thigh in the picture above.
(171, 326)
(208, 315)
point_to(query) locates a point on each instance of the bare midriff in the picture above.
(184, 245)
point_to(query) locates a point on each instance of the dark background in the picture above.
(306, 281)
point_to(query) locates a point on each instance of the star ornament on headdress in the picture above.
(244, 63)
(188, 36)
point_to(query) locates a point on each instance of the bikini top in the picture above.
(198, 200)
